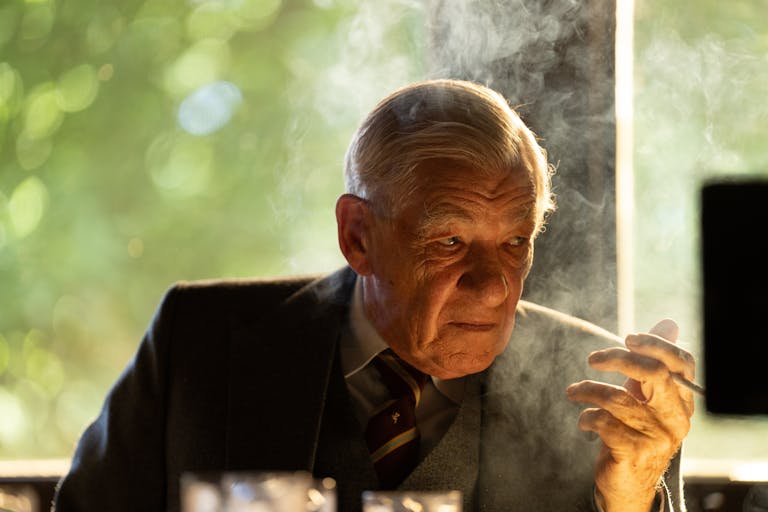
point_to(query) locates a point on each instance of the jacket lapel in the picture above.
(280, 365)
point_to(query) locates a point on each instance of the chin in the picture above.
(453, 356)
(462, 364)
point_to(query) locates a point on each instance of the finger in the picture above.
(654, 376)
(616, 435)
(666, 329)
(632, 364)
(636, 389)
(674, 357)
(624, 442)
(616, 400)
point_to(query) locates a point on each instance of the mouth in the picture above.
(475, 326)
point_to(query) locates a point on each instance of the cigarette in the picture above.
(696, 388)
(688, 384)
(590, 327)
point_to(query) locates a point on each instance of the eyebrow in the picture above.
(442, 214)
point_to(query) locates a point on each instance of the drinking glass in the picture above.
(322, 495)
(265, 491)
(257, 492)
(18, 498)
(405, 501)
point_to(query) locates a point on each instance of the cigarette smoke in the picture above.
(545, 57)
(553, 60)
(514, 46)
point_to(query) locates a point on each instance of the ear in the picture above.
(352, 216)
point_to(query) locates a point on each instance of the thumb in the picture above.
(666, 329)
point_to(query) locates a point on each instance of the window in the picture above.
(157, 141)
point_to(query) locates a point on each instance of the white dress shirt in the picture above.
(360, 343)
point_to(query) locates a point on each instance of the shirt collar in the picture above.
(361, 343)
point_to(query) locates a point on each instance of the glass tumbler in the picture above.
(407, 501)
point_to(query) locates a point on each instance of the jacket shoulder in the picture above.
(556, 343)
(236, 295)
(530, 314)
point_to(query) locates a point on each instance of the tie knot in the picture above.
(401, 379)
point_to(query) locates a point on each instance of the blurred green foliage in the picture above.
(148, 141)
(110, 190)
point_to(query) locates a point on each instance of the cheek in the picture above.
(434, 291)
(528, 263)
(518, 269)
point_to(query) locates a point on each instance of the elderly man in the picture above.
(402, 371)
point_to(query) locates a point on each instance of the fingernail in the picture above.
(596, 357)
(632, 340)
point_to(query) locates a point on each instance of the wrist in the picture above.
(641, 502)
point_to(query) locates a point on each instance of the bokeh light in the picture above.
(27, 205)
(180, 164)
(11, 91)
(209, 108)
(42, 112)
(77, 88)
(203, 61)
(12, 426)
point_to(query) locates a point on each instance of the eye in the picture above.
(450, 241)
(517, 241)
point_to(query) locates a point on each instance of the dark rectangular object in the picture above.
(735, 278)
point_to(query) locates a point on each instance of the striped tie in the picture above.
(391, 434)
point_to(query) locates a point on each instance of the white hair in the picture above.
(441, 119)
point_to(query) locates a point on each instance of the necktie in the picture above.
(391, 434)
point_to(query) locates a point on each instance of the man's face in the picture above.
(447, 271)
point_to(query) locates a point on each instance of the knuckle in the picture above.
(625, 400)
(593, 418)
(658, 369)
(669, 446)
(685, 426)
(687, 357)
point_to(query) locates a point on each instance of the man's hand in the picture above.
(643, 423)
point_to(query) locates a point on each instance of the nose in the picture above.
(484, 277)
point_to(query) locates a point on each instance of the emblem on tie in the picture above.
(391, 433)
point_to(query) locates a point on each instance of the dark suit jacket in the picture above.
(245, 375)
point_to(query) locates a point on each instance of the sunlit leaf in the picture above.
(42, 114)
(205, 61)
(77, 88)
(212, 20)
(14, 420)
(27, 205)
(11, 91)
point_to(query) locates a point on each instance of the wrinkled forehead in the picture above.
(445, 190)
(434, 177)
